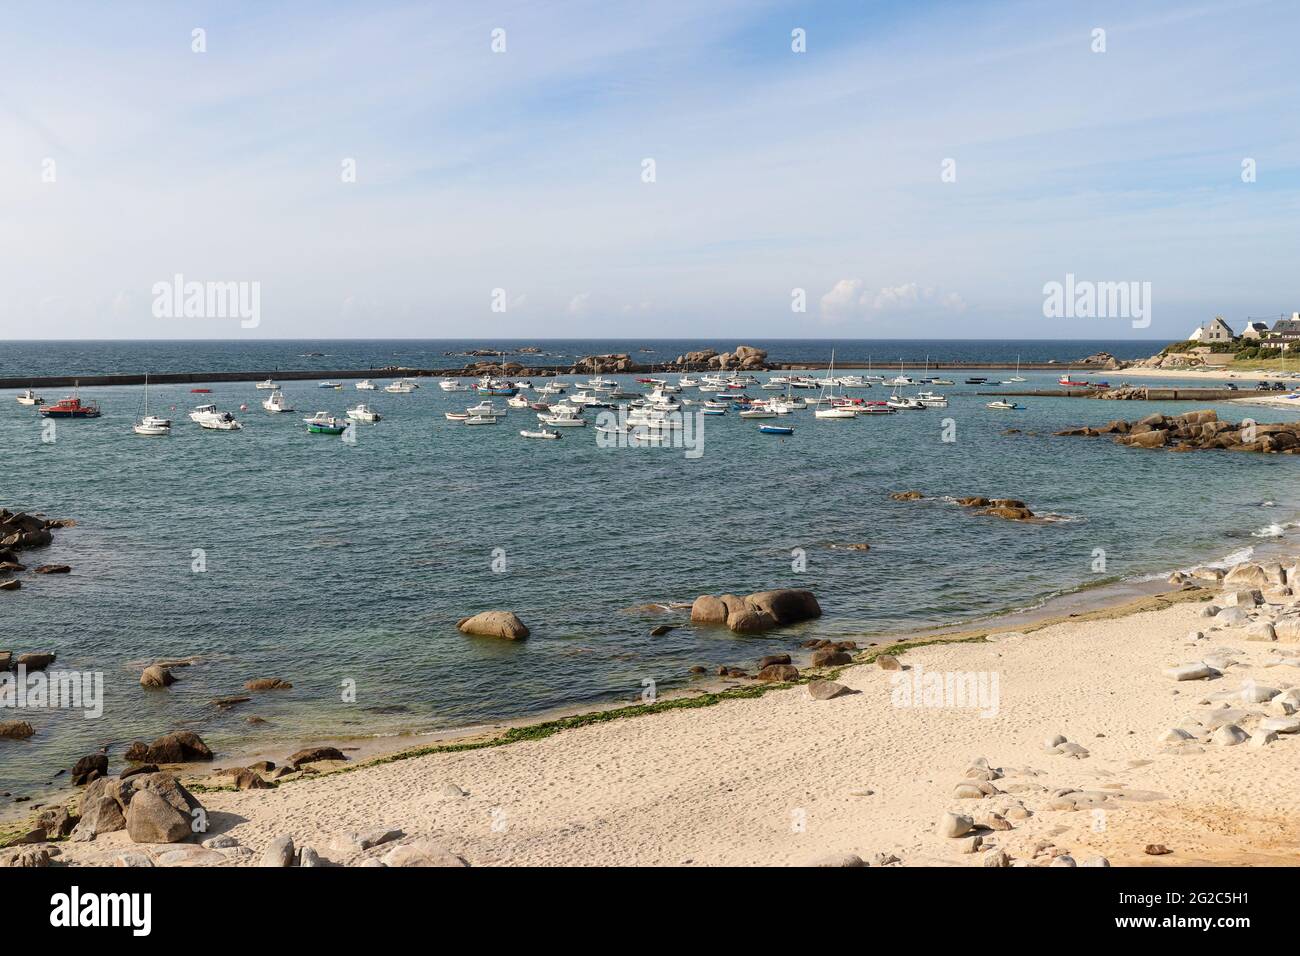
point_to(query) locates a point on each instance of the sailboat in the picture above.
(1017, 377)
(148, 424)
(831, 410)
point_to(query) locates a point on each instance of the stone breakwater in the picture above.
(1199, 431)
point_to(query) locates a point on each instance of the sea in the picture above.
(344, 566)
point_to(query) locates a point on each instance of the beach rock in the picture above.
(888, 662)
(1208, 574)
(1244, 599)
(778, 672)
(774, 659)
(309, 857)
(1281, 725)
(840, 859)
(225, 703)
(996, 858)
(89, 768)
(786, 605)
(969, 844)
(247, 779)
(906, 496)
(1054, 741)
(1262, 739)
(1253, 693)
(1157, 849)
(15, 730)
(1096, 861)
(422, 853)
(503, 624)
(181, 746)
(11, 585)
(99, 814)
(56, 822)
(138, 768)
(280, 854)
(25, 858)
(1287, 628)
(1007, 512)
(1261, 631)
(1063, 860)
(750, 620)
(1174, 735)
(223, 842)
(663, 629)
(969, 790)
(1197, 670)
(1231, 617)
(132, 858)
(1210, 610)
(36, 662)
(52, 569)
(708, 609)
(314, 755)
(1247, 576)
(954, 825)
(6, 661)
(151, 819)
(825, 689)
(830, 658)
(351, 842)
(156, 675)
(268, 683)
(1229, 735)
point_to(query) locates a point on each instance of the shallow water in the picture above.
(329, 562)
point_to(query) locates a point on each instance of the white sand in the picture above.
(729, 784)
(1213, 374)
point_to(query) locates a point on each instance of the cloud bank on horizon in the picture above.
(621, 169)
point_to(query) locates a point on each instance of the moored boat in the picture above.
(776, 429)
(28, 397)
(70, 407)
(363, 413)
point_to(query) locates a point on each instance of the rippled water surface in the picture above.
(328, 562)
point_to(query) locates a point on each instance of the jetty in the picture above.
(1139, 393)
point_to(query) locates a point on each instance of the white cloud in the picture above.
(848, 298)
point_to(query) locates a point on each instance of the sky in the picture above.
(640, 170)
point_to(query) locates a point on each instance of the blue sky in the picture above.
(522, 170)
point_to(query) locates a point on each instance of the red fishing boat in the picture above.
(71, 407)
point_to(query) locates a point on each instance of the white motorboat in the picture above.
(267, 386)
(932, 399)
(543, 433)
(562, 416)
(277, 403)
(486, 408)
(836, 411)
(902, 402)
(399, 388)
(456, 416)
(363, 413)
(517, 401)
(333, 385)
(452, 385)
(481, 420)
(758, 413)
(1002, 405)
(28, 397)
(550, 388)
(687, 382)
(207, 416)
(365, 385)
(874, 408)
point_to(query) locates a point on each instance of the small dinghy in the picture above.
(1004, 406)
(456, 416)
(776, 429)
(544, 433)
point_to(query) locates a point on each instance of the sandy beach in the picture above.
(785, 779)
(1208, 373)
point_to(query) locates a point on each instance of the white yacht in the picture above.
(1003, 405)
(517, 401)
(831, 410)
(399, 387)
(267, 386)
(365, 385)
(932, 399)
(29, 397)
(481, 420)
(207, 416)
(363, 413)
(486, 408)
(148, 424)
(452, 385)
(277, 403)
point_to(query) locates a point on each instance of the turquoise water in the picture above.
(330, 562)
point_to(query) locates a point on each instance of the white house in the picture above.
(1255, 330)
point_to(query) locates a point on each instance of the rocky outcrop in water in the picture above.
(761, 611)
(182, 746)
(1199, 430)
(505, 624)
(20, 531)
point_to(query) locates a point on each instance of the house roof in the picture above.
(1286, 327)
